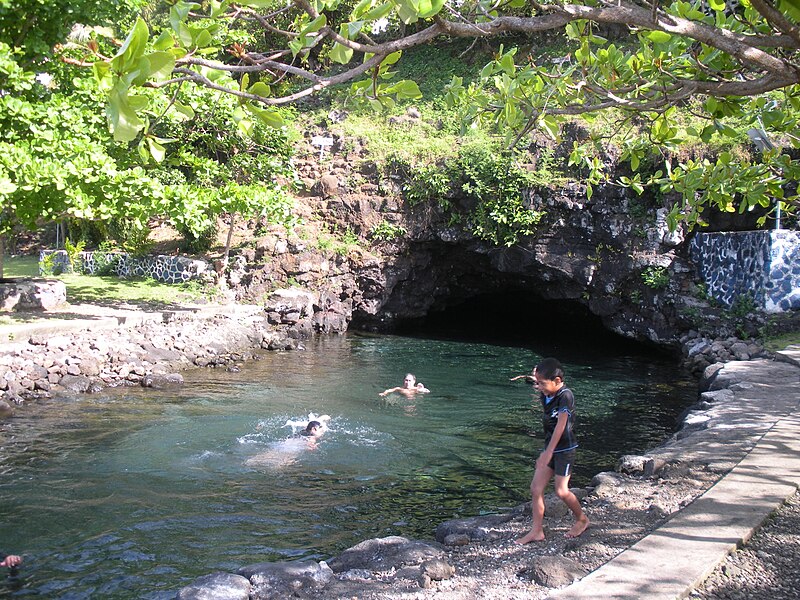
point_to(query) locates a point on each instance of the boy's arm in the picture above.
(389, 391)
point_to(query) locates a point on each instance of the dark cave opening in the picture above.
(549, 327)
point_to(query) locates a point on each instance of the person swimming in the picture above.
(409, 388)
(312, 417)
(285, 452)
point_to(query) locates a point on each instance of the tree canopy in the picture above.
(59, 163)
(717, 59)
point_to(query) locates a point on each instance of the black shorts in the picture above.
(562, 463)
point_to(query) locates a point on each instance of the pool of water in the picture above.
(133, 493)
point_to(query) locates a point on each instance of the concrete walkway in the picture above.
(679, 555)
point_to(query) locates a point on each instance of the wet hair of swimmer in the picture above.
(311, 426)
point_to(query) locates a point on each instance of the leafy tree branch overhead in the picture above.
(674, 51)
(718, 59)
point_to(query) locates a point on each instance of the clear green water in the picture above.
(134, 493)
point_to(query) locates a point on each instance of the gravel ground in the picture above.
(622, 510)
(766, 568)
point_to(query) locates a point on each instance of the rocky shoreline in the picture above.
(154, 351)
(469, 558)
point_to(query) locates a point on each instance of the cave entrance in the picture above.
(561, 328)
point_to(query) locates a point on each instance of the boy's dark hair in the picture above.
(550, 368)
(312, 424)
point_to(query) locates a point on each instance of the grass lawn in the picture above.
(21, 266)
(780, 342)
(111, 290)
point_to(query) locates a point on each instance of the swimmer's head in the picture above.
(314, 428)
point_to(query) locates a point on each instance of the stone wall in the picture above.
(169, 269)
(761, 265)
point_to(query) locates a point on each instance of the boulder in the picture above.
(32, 294)
(217, 586)
(553, 571)
(384, 554)
(278, 580)
(476, 529)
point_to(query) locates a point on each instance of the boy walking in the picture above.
(558, 456)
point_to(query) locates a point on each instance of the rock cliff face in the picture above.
(588, 255)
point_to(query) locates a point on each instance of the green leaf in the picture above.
(185, 36)
(717, 5)
(507, 63)
(260, 88)
(165, 41)
(217, 8)
(157, 151)
(550, 124)
(361, 8)
(138, 102)
(102, 72)
(269, 117)
(202, 39)
(725, 130)
(133, 46)
(392, 58)
(156, 66)
(351, 30)
(315, 25)
(295, 46)
(258, 3)
(429, 8)
(659, 37)
(341, 54)
(125, 124)
(408, 12)
(7, 186)
(405, 90)
(378, 12)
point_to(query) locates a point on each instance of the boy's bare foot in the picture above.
(531, 536)
(578, 528)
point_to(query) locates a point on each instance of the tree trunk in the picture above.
(2, 253)
(228, 243)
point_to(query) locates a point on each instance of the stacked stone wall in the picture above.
(761, 265)
(168, 269)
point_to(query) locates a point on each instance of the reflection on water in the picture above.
(133, 493)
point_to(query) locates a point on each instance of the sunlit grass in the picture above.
(21, 266)
(111, 290)
(781, 342)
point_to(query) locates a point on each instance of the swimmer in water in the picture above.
(313, 432)
(531, 378)
(409, 388)
(286, 452)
